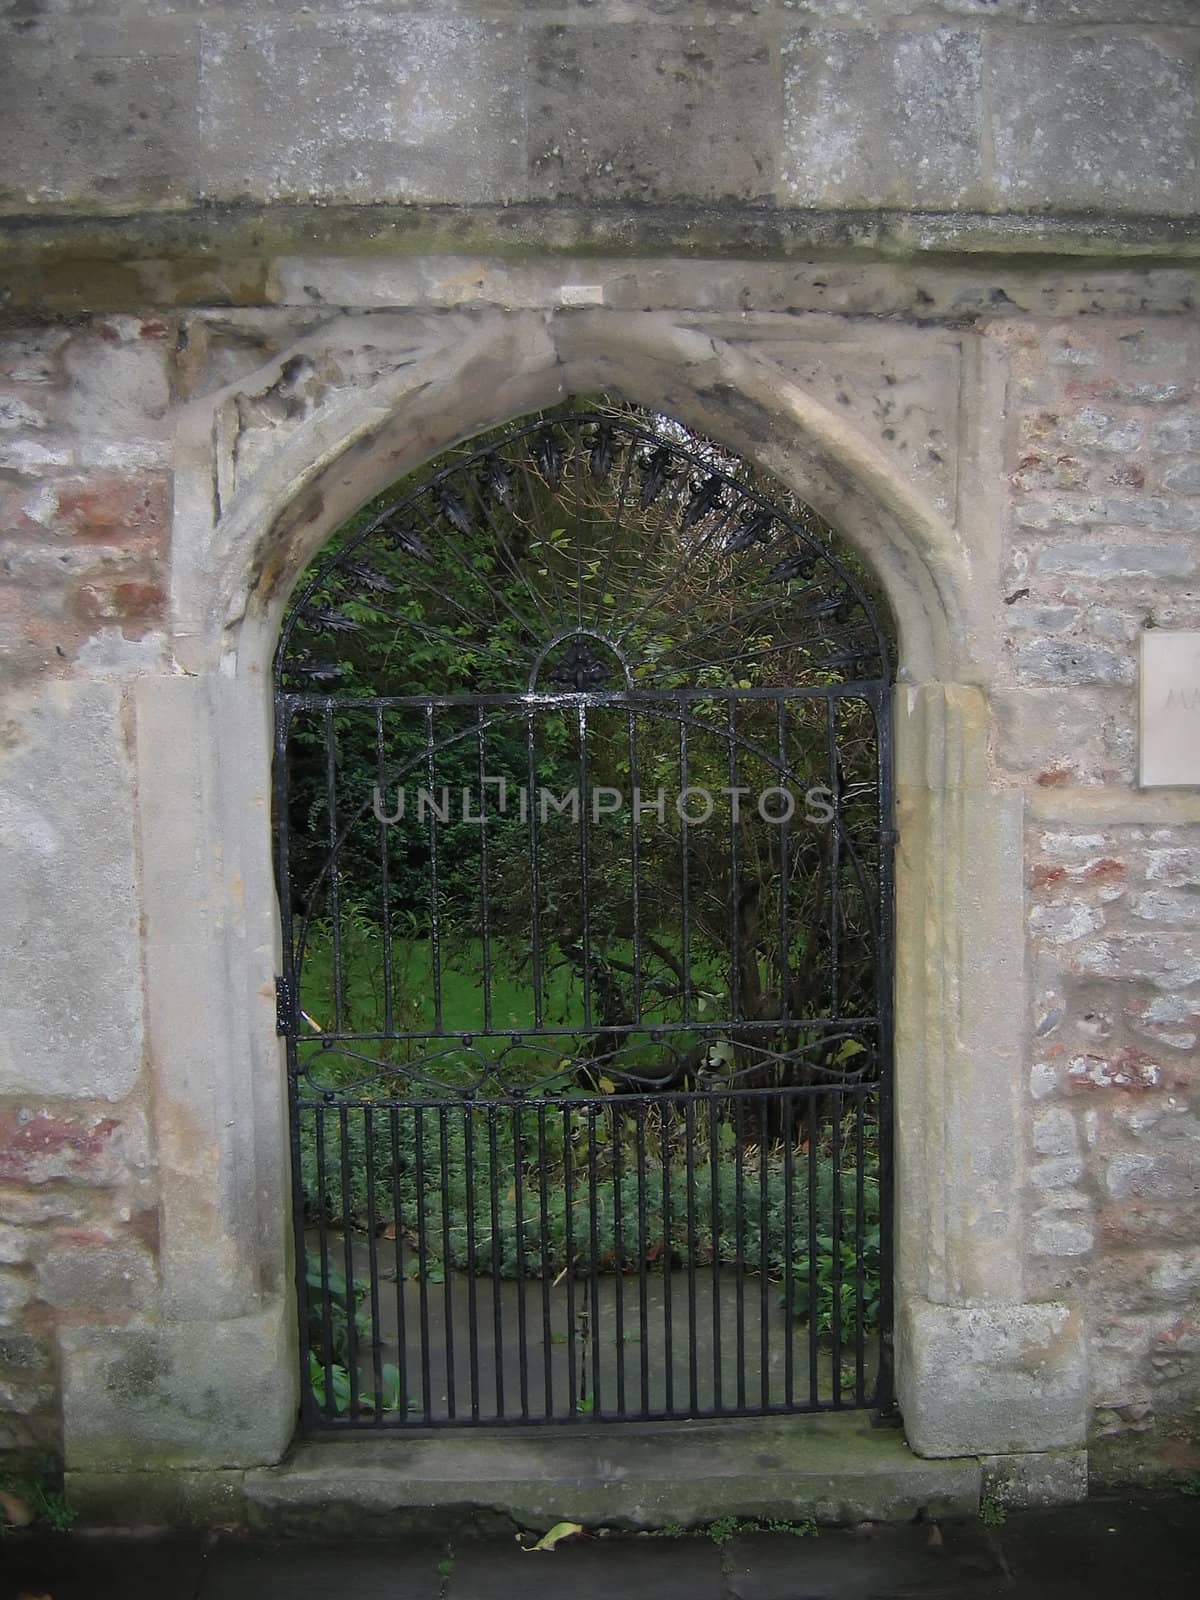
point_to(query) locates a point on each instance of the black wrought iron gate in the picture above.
(582, 804)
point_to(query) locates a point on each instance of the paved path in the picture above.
(1120, 1550)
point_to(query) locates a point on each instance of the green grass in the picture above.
(510, 1002)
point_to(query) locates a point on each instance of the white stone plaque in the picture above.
(1169, 745)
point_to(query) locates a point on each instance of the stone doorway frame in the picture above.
(980, 1370)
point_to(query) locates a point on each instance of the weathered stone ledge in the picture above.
(834, 1469)
(234, 231)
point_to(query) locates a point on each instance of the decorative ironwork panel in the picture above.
(583, 810)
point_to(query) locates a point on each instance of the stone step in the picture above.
(830, 1468)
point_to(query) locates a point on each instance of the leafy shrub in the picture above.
(464, 1188)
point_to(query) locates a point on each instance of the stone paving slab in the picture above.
(254, 1569)
(849, 1563)
(1105, 1550)
(607, 1569)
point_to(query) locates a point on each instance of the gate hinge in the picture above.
(889, 837)
(283, 1006)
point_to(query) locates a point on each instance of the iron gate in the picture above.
(582, 805)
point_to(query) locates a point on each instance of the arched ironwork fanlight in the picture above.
(590, 552)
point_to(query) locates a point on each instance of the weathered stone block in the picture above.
(362, 107)
(24, 1352)
(41, 1146)
(140, 1398)
(16, 1244)
(73, 978)
(1177, 434)
(1177, 865)
(16, 1291)
(128, 91)
(1050, 1478)
(1055, 1132)
(1057, 1235)
(1174, 1176)
(1171, 906)
(882, 119)
(685, 112)
(1073, 661)
(1062, 924)
(992, 1380)
(99, 1274)
(1166, 960)
(1071, 128)
(1098, 558)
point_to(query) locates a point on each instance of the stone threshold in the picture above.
(834, 1469)
(830, 1468)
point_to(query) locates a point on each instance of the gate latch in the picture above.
(283, 1006)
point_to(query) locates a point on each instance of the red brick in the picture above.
(112, 507)
(39, 1146)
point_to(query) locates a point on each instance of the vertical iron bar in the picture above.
(584, 842)
(615, 1122)
(373, 1262)
(859, 1244)
(739, 1201)
(335, 913)
(835, 1159)
(534, 873)
(666, 1115)
(635, 893)
(789, 1286)
(578, 532)
(497, 1304)
(472, 1267)
(685, 932)
(544, 1204)
(594, 1257)
(435, 947)
(764, 1267)
(447, 1259)
(484, 907)
(785, 867)
(569, 1269)
(518, 1169)
(689, 1108)
(423, 1269)
(398, 1227)
(835, 864)
(348, 1259)
(714, 1188)
(308, 1405)
(813, 1371)
(643, 1246)
(735, 965)
(323, 1252)
(384, 884)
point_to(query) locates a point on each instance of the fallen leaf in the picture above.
(16, 1511)
(555, 1536)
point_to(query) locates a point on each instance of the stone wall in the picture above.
(201, 369)
(974, 105)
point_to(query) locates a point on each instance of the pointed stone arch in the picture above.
(267, 469)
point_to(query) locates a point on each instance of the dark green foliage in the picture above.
(730, 1186)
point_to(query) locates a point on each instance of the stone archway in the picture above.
(268, 469)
